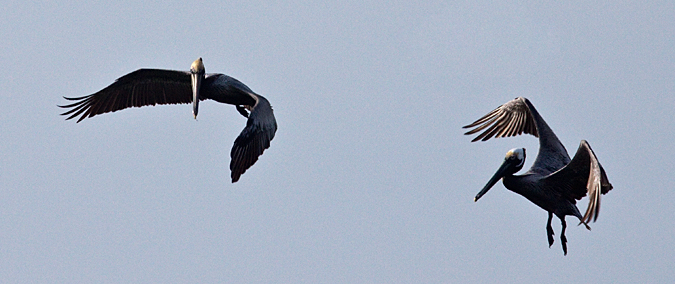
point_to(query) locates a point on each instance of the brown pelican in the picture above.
(554, 182)
(155, 86)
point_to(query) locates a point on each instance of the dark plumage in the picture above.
(145, 87)
(554, 182)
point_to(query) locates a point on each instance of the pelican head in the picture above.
(197, 74)
(513, 162)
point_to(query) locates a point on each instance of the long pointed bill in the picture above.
(196, 85)
(501, 172)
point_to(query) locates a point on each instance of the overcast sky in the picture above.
(369, 178)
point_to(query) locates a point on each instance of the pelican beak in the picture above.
(501, 172)
(196, 84)
(197, 74)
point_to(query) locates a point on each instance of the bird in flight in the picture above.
(145, 87)
(554, 182)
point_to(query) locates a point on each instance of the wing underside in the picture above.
(142, 87)
(582, 176)
(510, 119)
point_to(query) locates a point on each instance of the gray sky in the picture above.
(369, 178)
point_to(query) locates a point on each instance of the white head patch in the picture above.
(197, 66)
(518, 154)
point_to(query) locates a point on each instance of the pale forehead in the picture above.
(518, 152)
(197, 64)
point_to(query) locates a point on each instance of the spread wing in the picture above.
(519, 116)
(510, 119)
(260, 126)
(142, 87)
(254, 139)
(582, 176)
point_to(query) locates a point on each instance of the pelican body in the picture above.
(156, 86)
(554, 182)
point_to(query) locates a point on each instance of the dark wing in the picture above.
(514, 118)
(227, 90)
(139, 88)
(583, 175)
(254, 139)
(260, 126)
(510, 119)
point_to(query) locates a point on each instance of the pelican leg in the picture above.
(549, 229)
(563, 239)
(242, 110)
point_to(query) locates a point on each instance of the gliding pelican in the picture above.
(554, 182)
(155, 86)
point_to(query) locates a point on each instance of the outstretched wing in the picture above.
(254, 139)
(139, 88)
(519, 116)
(582, 176)
(510, 119)
(260, 126)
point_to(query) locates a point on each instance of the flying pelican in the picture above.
(554, 182)
(156, 86)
